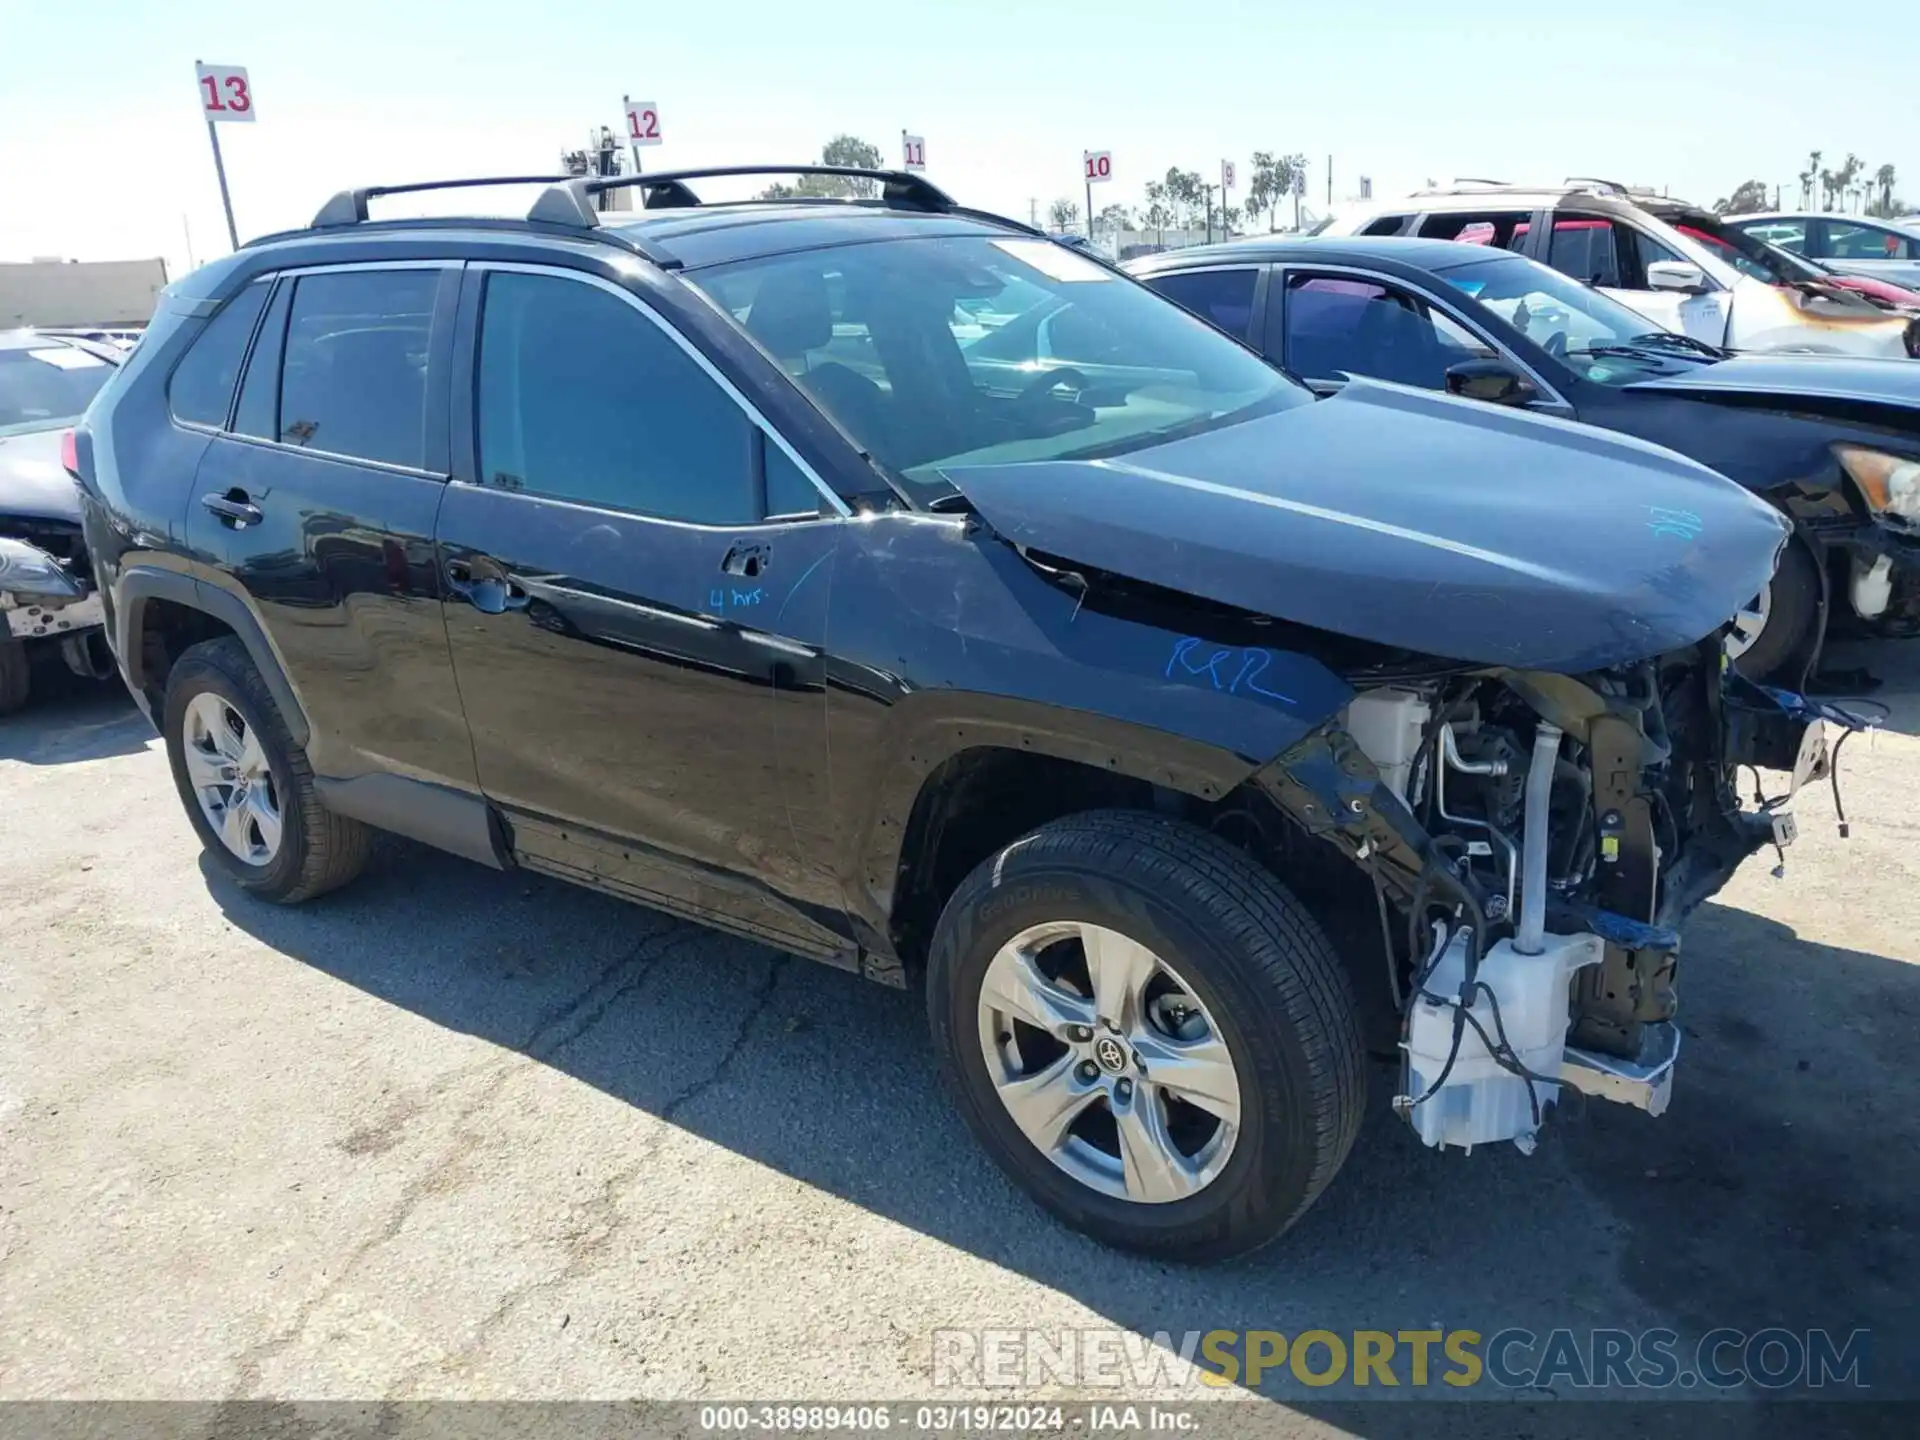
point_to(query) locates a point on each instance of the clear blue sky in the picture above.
(102, 151)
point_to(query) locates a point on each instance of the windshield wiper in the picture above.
(1674, 340)
(1659, 356)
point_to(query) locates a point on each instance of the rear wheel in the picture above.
(1148, 1033)
(246, 786)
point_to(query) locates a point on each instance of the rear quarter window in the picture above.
(201, 389)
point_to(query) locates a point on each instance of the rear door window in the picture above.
(1386, 225)
(354, 382)
(1222, 297)
(1338, 324)
(1845, 240)
(201, 388)
(1503, 230)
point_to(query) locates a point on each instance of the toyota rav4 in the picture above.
(1181, 735)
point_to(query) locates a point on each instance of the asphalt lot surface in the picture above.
(452, 1133)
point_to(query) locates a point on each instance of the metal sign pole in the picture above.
(1089, 208)
(625, 101)
(220, 169)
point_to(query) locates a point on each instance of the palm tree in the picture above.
(1885, 178)
(1807, 177)
(1849, 172)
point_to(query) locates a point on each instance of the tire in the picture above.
(1793, 608)
(16, 675)
(1266, 980)
(316, 850)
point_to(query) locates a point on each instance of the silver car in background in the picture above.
(1851, 244)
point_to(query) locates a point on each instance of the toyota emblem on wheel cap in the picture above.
(1110, 1053)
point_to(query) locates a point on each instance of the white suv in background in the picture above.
(1677, 264)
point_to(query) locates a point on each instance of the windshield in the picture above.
(1598, 338)
(978, 350)
(44, 386)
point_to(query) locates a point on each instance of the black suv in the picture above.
(883, 581)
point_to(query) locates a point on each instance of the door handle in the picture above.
(233, 508)
(490, 594)
(747, 560)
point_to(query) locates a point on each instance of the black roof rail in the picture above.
(569, 200)
(349, 207)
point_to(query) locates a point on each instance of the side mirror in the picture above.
(1677, 275)
(1493, 381)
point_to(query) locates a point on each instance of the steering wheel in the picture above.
(1045, 383)
(1556, 344)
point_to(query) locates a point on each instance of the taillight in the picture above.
(70, 453)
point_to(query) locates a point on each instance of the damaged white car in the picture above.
(47, 598)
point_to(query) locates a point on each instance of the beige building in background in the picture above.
(80, 293)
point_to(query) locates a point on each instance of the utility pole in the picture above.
(1329, 182)
(1208, 190)
(1033, 212)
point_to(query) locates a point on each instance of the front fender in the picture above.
(944, 639)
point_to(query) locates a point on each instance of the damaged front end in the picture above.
(1537, 840)
(47, 593)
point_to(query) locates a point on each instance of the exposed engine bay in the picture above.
(1545, 837)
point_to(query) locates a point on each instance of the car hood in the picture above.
(1460, 530)
(1813, 377)
(33, 483)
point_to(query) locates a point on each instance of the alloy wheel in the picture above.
(1749, 624)
(1109, 1063)
(231, 779)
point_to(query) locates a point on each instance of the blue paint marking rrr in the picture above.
(1232, 670)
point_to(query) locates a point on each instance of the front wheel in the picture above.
(1148, 1033)
(1776, 626)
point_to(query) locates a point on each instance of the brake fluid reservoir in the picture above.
(1481, 1100)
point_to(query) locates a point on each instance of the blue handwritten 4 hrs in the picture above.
(1232, 670)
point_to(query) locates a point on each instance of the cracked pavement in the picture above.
(452, 1133)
